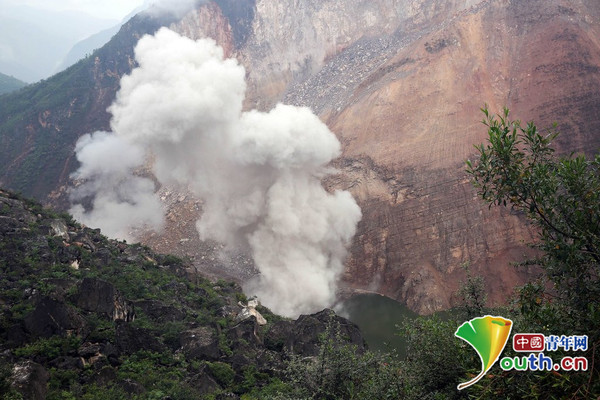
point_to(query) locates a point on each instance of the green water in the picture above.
(377, 317)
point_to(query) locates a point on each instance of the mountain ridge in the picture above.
(9, 84)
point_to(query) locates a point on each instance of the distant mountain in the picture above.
(87, 46)
(34, 41)
(41, 123)
(9, 83)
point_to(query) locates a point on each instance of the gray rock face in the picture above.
(401, 82)
(59, 228)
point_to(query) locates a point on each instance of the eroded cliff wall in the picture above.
(401, 84)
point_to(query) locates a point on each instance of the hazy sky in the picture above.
(110, 9)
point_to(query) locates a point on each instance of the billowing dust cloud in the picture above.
(259, 174)
(176, 8)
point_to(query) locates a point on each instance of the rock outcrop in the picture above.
(52, 317)
(30, 379)
(98, 296)
(302, 335)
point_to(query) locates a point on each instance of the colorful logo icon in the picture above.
(529, 342)
(488, 336)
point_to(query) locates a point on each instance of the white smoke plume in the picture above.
(258, 173)
(175, 8)
(120, 199)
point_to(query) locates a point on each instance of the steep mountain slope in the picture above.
(86, 46)
(41, 123)
(84, 316)
(400, 82)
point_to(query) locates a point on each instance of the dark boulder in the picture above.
(103, 257)
(30, 379)
(67, 362)
(87, 349)
(39, 246)
(203, 382)
(111, 352)
(9, 226)
(278, 335)
(159, 311)
(304, 335)
(201, 343)
(81, 239)
(245, 342)
(99, 296)
(130, 339)
(245, 332)
(16, 336)
(104, 376)
(16, 210)
(51, 317)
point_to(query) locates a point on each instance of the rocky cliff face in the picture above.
(400, 83)
(415, 117)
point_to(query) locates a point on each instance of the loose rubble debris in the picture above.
(249, 310)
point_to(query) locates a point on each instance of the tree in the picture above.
(560, 196)
(472, 294)
(340, 371)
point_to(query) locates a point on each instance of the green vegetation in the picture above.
(49, 348)
(36, 265)
(222, 372)
(340, 372)
(560, 196)
(6, 391)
